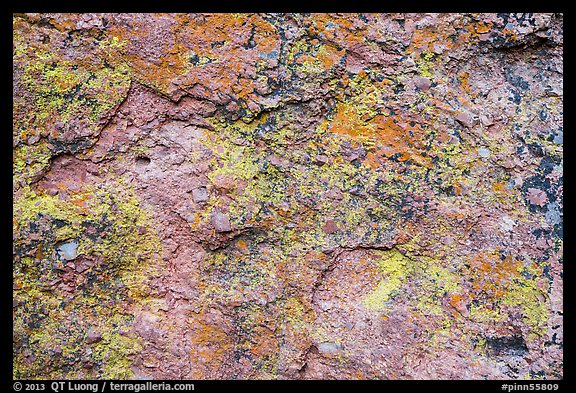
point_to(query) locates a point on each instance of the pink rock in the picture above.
(486, 120)
(537, 196)
(466, 119)
(334, 194)
(320, 159)
(200, 194)
(330, 226)
(221, 222)
(93, 337)
(422, 83)
(275, 161)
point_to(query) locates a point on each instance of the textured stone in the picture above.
(486, 120)
(221, 222)
(200, 194)
(320, 159)
(466, 119)
(537, 196)
(288, 196)
(483, 152)
(330, 226)
(331, 348)
(68, 250)
(93, 337)
(422, 83)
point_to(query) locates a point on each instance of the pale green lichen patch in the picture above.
(395, 267)
(53, 90)
(87, 293)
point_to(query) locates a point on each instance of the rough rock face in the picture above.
(304, 196)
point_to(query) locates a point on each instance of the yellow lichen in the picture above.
(395, 267)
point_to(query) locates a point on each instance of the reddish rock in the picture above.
(537, 196)
(466, 119)
(422, 83)
(334, 194)
(93, 337)
(221, 222)
(320, 159)
(330, 226)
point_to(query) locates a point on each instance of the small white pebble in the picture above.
(484, 152)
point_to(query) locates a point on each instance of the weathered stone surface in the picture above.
(200, 194)
(330, 226)
(221, 222)
(466, 119)
(68, 250)
(93, 337)
(422, 83)
(288, 196)
(537, 196)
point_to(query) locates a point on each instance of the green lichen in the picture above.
(436, 281)
(395, 267)
(424, 64)
(53, 93)
(98, 295)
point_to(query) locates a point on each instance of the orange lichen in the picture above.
(463, 78)
(210, 346)
(390, 136)
(330, 56)
(174, 63)
(482, 28)
(265, 343)
(336, 28)
(455, 298)
(491, 274)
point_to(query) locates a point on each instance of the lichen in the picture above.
(119, 257)
(320, 146)
(395, 267)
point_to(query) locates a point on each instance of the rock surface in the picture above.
(288, 196)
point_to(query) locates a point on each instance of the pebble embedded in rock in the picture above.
(422, 83)
(484, 152)
(93, 337)
(559, 138)
(330, 226)
(465, 119)
(553, 214)
(486, 120)
(507, 224)
(334, 193)
(221, 222)
(68, 251)
(320, 159)
(200, 194)
(275, 161)
(537, 196)
(325, 305)
(330, 348)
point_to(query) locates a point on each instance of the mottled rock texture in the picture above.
(288, 196)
